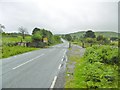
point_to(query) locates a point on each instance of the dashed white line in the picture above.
(62, 59)
(59, 66)
(53, 83)
(27, 62)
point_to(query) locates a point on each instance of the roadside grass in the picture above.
(69, 75)
(96, 69)
(14, 50)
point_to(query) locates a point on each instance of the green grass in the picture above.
(14, 50)
(114, 43)
(98, 68)
(69, 80)
(9, 39)
(7, 51)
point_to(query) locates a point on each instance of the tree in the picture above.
(90, 40)
(57, 39)
(100, 37)
(68, 37)
(89, 34)
(1, 28)
(102, 40)
(37, 36)
(114, 38)
(74, 38)
(23, 31)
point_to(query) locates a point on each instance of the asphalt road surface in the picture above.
(36, 69)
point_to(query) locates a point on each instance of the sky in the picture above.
(59, 16)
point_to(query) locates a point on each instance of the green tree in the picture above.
(89, 34)
(90, 40)
(68, 37)
(114, 38)
(37, 36)
(43, 34)
(57, 39)
(102, 40)
(100, 37)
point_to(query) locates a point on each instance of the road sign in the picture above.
(45, 40)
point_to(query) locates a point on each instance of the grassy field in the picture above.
(7, 51)
(8, 39)
(98, 68)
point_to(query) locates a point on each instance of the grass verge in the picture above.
(14, 50)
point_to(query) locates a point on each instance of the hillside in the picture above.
(106, 34)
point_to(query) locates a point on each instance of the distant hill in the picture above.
(106, 34)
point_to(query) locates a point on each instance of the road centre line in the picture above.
(53, 83)
(27, 62)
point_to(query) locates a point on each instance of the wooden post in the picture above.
(69, 44)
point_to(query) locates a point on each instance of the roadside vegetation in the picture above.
(98, 67)
(21, 42)
(8, 51)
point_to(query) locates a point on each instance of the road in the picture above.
(36, 69)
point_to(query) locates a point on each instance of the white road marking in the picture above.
(27, 62)
(62, 59)
(59, 66)
(53, 83)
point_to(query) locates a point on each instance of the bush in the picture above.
(98, 68)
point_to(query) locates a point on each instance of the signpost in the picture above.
(45, 40)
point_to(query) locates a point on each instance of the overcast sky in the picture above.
(59, 16)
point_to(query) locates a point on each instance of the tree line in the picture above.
(39, 37)
(90, 38)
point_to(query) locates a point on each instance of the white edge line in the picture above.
(59, 66)
(53, 83)
(27, 62)
(62, 60)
